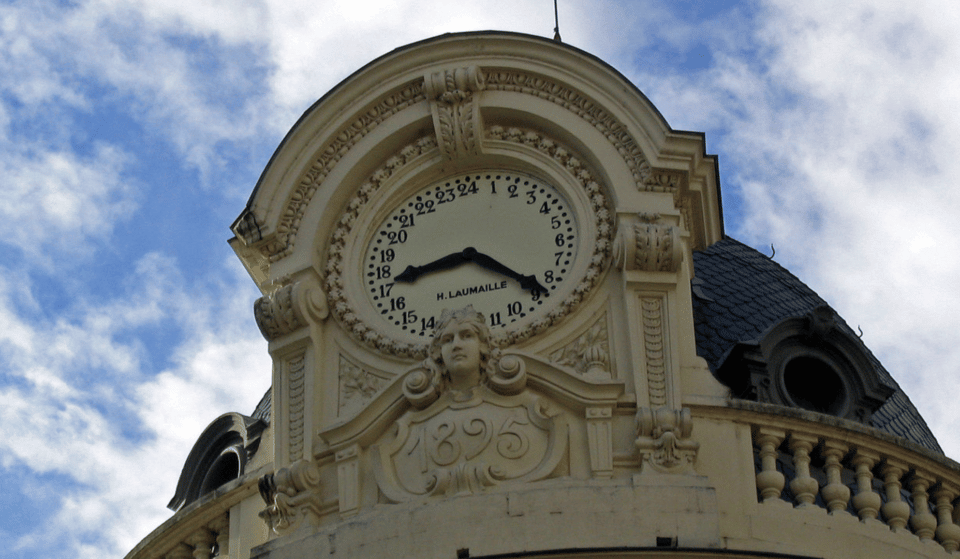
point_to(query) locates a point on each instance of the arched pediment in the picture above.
(443, 96)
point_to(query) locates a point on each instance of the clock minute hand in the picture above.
(411, 273)
(529, 283)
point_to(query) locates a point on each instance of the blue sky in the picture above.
(131, 134)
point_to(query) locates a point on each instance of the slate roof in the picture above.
(740, 293)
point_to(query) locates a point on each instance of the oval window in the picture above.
(814, 385)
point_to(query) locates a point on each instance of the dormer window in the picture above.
(808, 362)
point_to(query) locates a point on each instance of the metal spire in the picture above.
(556, 22)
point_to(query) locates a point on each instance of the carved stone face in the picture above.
(460, 350)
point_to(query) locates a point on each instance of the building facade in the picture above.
(505, 321)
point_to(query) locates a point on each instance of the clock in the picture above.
(523, 245)
(505, 242)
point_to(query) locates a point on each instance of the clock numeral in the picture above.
(559, 240)
(409, 317)
(383, 272)
(427, 324)
(555, 222)
(398, 304)
(444, 196)
(495, 319)
(397, 237)
(559, 255)
(387, 255)
(385, 290)
(425, 207)
(512, 189)
(464, 188)
(534, 294)
(545, 209)
(406, 220)
(533, 197)
(548, 276)
(514, 308)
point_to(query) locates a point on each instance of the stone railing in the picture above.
(200, 530)
(849, 469)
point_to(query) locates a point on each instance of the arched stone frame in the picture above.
(419, 163)
(219, 455)
(757, 370)
(569, 95)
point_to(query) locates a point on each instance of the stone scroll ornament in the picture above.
(472, 425)
(292, 496)
(664, 440)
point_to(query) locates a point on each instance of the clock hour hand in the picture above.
(528, 283)
(411, 273)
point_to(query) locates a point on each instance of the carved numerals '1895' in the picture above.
(502, 241)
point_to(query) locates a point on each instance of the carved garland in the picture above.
(343, 308)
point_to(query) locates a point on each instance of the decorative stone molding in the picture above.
(357, 387)
(456, 110)
(292, 496)
(287, 309)
(341, 306)
(462, 447)
(651, 314)
(337, 298)
(348, 480)
(663, 439)
(649, 245)
(589, 354)
(587, 109)
(600, 440)
(296, 370)
(281, 242)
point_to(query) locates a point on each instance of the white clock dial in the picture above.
(502, 241)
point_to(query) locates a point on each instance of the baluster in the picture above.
(835, 493)
(895, 511)
(923, 522)
(770, 482)
(202, 541)
(866, 501)
(803, 486)
(221, 527)
(948, 533)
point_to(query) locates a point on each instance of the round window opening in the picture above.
(814, 385)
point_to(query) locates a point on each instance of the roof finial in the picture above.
(556, 23)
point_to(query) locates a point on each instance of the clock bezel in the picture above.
(418, 166)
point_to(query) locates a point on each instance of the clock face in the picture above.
(503, 241)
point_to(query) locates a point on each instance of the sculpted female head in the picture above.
(461, 348)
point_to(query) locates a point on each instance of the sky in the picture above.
(132, 132)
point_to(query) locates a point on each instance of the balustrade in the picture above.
(878, 483)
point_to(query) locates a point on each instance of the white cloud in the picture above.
(60, 420)
(844, 147)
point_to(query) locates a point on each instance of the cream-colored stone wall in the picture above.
(596, 427)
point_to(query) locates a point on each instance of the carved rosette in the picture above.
(456, 110)
(292, 496)
(649, 245)
(664, 440)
